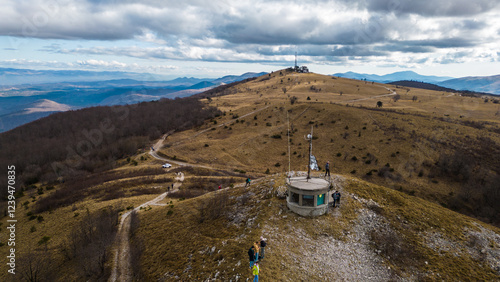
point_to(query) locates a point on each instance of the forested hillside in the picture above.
(92, 139)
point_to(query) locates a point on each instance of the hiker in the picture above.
(327, 168)
(336, 198)
(256, 270)
(251, 256)
(247, 182)
(220, 187)
(257, 250)
(262, 247)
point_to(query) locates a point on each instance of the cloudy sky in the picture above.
(219, 37)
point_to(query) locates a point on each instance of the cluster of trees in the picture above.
(92, 139)
(421, 85)
(222, 90)
(479, 179)
(430, 86)
(89, 244)
(85, 252)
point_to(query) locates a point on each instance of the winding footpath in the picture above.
(121, 270)
(393, 93)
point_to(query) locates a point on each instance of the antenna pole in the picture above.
(310, 152)
(295, 60)
(289, 158)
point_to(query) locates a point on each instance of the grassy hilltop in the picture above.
(377, 232)
(419, 177)
(442, 148)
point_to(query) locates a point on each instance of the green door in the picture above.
(321, 200)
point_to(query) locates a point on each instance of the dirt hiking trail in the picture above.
(121, 270)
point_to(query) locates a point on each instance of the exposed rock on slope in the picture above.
(376, 234)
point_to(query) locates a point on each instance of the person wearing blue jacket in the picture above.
(336, 198)
(263, 245)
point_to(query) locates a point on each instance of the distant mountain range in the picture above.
(12, 76)
(485, 84)
(402, 75)
(26, 102)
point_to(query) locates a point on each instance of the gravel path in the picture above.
(121, 262)
(121, 270)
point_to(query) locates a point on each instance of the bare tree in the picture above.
(90, 241)
(36, 266)
(213, 207)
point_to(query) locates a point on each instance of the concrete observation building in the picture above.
(308, 197)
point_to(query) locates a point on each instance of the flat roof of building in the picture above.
(312, 184)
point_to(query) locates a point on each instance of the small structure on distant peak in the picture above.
(302, 69)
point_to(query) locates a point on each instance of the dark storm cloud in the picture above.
(441, 43)
(322, 51)
(473, 24)
(103, 21)
(277, 28)
(451, 8)
(257, 31)
(402, 47)
(259, 23)
(361, 51)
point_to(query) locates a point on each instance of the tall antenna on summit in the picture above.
(295, 60)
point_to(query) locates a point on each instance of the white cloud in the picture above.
(100, 63)
(323, 32)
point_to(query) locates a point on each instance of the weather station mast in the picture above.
(296, 67)
(309, 137)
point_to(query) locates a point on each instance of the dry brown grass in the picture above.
(358, 140)
(412, 217)
(409, 136)
(58, 225)
(177, 244)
